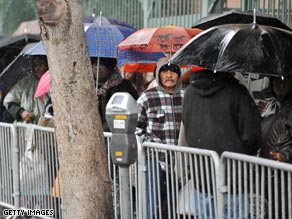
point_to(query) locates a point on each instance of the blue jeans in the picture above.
(155, 179)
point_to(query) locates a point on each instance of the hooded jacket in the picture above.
(220, 115)
(159, 112)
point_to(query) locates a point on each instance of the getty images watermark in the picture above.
(28, 212)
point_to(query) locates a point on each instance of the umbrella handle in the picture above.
(97, 73)
(254, 16)
(100, 17)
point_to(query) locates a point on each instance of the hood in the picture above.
(207, 83)
(161, 62)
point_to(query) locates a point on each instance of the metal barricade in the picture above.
(7, 144)
(180, 182)
(166, 180)
(38, 168)
(255, 187)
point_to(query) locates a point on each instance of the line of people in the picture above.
(214, 112)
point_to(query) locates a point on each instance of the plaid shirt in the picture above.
(159, 116)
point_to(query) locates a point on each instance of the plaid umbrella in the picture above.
(106, 21)
(137, 61)
(103, 40)
(132, 56)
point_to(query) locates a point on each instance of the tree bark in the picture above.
(83, 161)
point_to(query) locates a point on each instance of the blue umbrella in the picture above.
(132, 56)
(103, 40)
(35, 49)
(106, 21)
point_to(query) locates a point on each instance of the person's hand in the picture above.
(261, 105)
(26, 116)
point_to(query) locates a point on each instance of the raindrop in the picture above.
(282, 77)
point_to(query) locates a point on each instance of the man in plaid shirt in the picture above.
(160, 108)
(159, 118)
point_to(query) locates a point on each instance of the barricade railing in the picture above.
(255, 187)
(7, 144)
(29, 170)
(179, 182)
(196, 182)
(38, 168)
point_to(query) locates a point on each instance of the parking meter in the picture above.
(121, 117)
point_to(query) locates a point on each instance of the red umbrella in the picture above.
(139, 67)
(166, 39)
(43, 86)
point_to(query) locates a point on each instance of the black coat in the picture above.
(220, 115)
(125, 86)
(277, 134)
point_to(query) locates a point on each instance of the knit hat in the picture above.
(172, 67)
(108, 62)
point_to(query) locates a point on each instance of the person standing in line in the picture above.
(277, 144)
(277, 127)
(159, 118)
(110, 81)
(220, 115)
(137, 81)
(160, 108)
(20, 102)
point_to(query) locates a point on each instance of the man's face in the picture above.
(130, 76)
(282, 87)
(94, 70)
(39, 67)
(103, 73)
(168, 79)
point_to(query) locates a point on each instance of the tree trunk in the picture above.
(83, 161)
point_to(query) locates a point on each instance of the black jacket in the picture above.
(277, 134)
(220, 115)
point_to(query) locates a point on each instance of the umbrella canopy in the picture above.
(11, 46)
(43, 85)
(103, 40)
(32, 27)
(166, 39)
(101, 20)
(237, 17)
(132, 56)
(246, 48)
(19, 67)
(139, 67)
(35, 49)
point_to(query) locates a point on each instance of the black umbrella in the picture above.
(20, 66)
(238, 17)
(11, 46)
(246, 48)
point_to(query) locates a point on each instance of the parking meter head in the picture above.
(121, 116)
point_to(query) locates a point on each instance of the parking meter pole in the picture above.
(125, 190)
